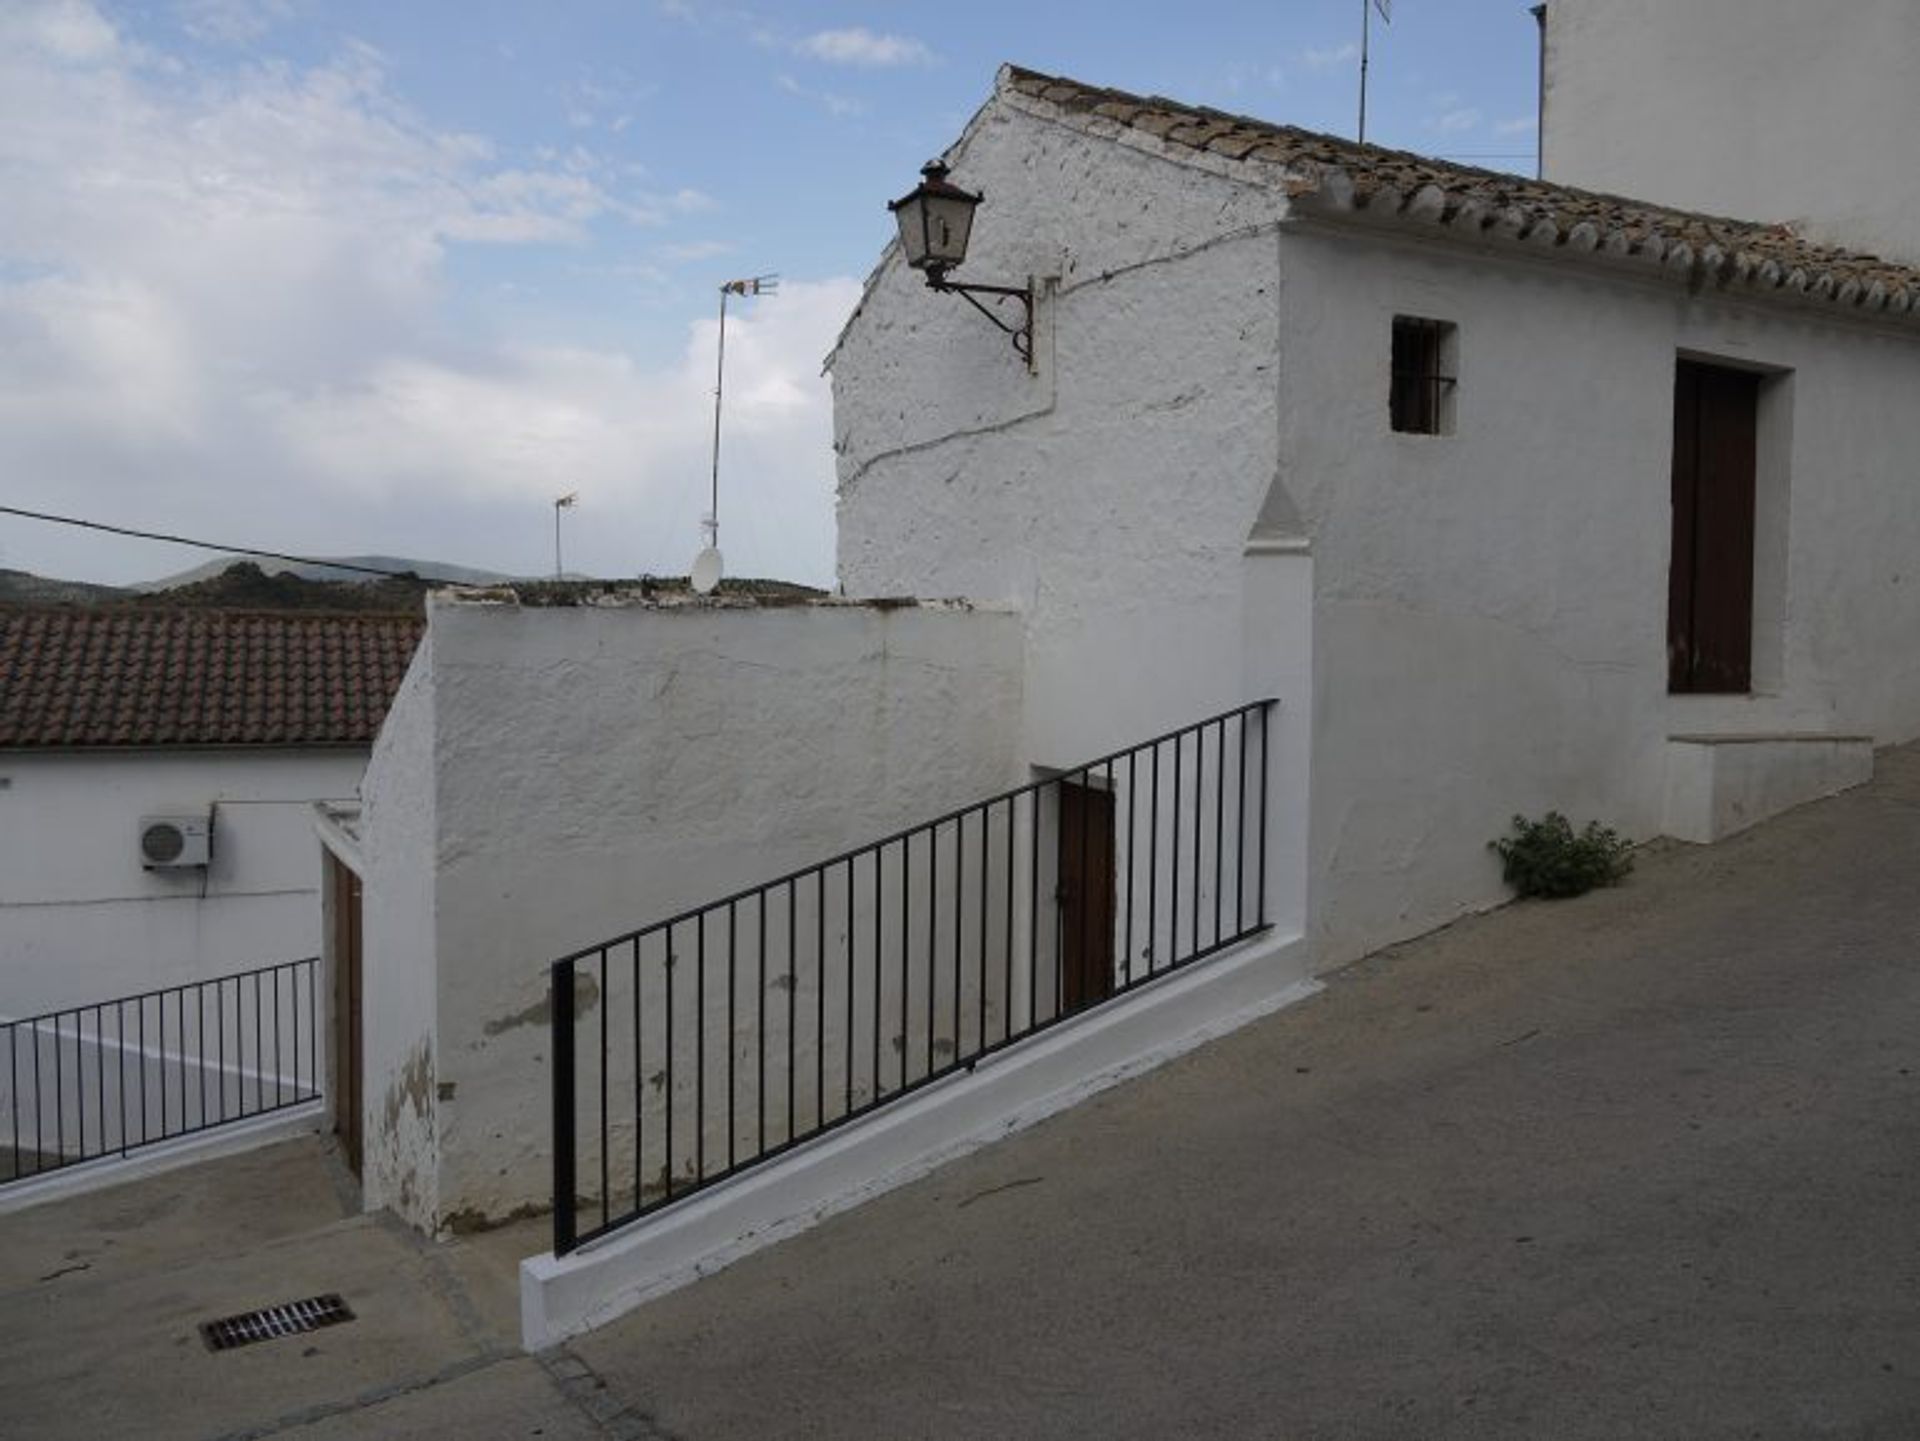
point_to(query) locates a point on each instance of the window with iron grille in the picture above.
(1424, 352)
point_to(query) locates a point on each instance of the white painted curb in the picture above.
(163, 1156)
(564, 1296)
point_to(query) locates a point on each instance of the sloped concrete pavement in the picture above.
(1642, 1164)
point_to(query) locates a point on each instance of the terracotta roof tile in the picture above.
(1334, 174)
(176, 677)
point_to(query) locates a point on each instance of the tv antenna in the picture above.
(708, 566)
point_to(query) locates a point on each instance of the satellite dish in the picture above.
(707, 570)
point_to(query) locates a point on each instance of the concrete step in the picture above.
(1720, 784)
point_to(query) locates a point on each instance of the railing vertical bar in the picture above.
(906, 950)
(760, 1017)
(606, 1146)
(80, 1083)
(259, 1051)
(59, 1097)
(560, 1013)
(1173, 876)
(820, 996)
(959, 918)
(879, 888)
(1153, 865)
(220, 1036)
(13, 1091)
(39, 1110)
(1199, 814)
(1240, 838)
(847, 1037)
(933, 931)
(640, 1090)
(1085, 896)
(100, 1068)
(1006, 959)
(700, 1047)
(140, 1018)
(793, 999)
(668, 1067)
(278, 1089)
(1033, 906)
(732, 1027)
(1132, 859)
(1219, 826)
(986, 884)
(1261, 890)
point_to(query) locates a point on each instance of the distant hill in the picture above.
(245, 586)
(424, 569)
(19, 587)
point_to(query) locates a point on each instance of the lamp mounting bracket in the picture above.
(1021, 334)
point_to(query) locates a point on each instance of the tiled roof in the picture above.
(71, 677)
(1330, 175)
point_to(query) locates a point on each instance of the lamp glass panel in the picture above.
(949, 222)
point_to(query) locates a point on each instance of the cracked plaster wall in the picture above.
(1765, 109)
(1110, 495)
(599, 769)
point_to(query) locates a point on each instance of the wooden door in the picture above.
(348, 1059)
(1710, 578)
(1086, 896)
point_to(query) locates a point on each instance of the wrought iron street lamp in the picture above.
(936, 221)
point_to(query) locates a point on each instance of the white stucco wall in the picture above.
(1491, 605)
(81, 921)
(399, 987)
(1764, 109)
(1107, 497)
(1488, 630)
(594, 769)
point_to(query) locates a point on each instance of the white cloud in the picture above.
(860, 46)
(1519, 125)
(224, 310)
(1456, 121)
(1323, 59)
(68, 30)
(828, 101)
(232, 22)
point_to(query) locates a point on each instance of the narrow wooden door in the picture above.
(1710, 578)
(1086, 896)
(348, 1059)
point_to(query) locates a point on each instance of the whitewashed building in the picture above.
(160, 909)
(1445, 399)
(1338, 505)
(234, 721)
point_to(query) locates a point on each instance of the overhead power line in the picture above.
(207, 544)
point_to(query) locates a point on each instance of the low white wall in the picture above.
(596, 769)
(81, 921)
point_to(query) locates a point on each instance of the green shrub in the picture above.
(1546, 858)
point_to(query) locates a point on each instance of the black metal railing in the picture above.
(687, 1051)
(106, 1079)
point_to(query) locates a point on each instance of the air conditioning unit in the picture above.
(171, 843)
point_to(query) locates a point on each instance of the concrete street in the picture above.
(1644, 1164)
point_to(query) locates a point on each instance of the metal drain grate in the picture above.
(293, 1318)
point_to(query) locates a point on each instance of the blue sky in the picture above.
(375, 277)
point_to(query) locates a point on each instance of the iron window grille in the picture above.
(1421, 398)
